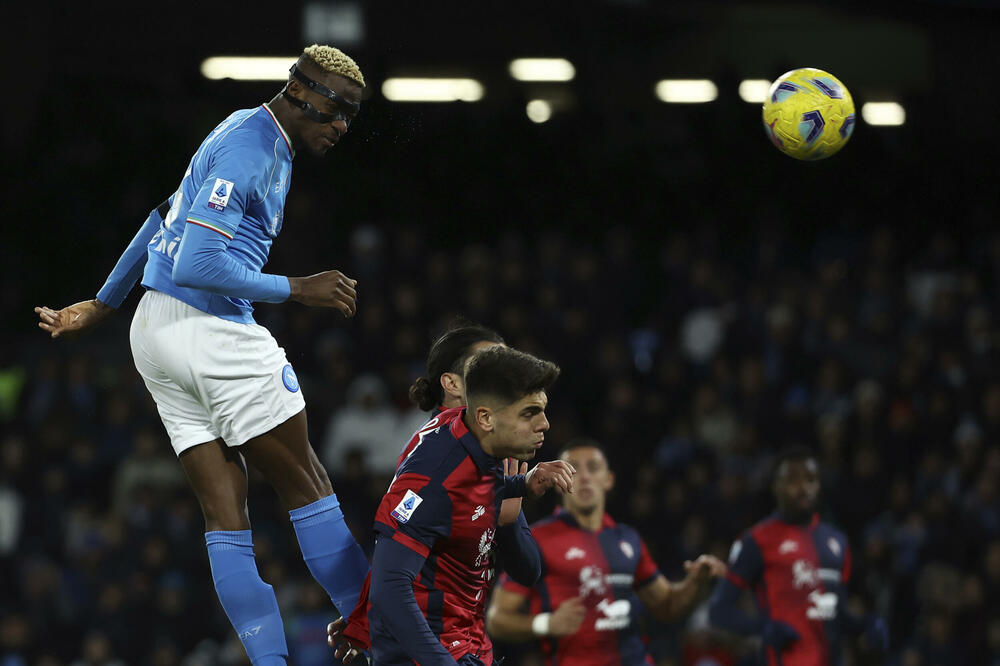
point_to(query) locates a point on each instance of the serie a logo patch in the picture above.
(406, 506)
(221, 191)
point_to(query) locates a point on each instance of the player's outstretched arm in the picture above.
(670, 601)
(81, 317)
(506, 620)
(74, 319)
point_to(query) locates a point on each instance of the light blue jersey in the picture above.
(235, 185)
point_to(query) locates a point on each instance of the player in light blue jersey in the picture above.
(223, 387)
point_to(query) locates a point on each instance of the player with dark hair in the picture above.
(437, 524)
(443, 386)
(446, 362)
(595, 571)
(798, 568)
(223, 387)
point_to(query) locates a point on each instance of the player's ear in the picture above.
(452, 385)
(610, 483)
(485, 418)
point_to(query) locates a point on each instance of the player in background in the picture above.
(437, 523)
(224, 389)
(441, 389)
(594, 570)
(797, 568)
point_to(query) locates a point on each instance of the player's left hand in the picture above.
(343, 649)
(705, 569)
(510, 507)
(876, 636)
(555, 474)
(72, 319)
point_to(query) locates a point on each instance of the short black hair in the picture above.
(796, 453)
(507, 375)
(580, 443)
(449, 353)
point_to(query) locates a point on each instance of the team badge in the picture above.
(406, 506)
(221, 191)
(289, 379)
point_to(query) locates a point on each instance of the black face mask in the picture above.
(346, 110)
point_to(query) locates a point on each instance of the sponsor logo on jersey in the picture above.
(592, 581)
(804, 574)
(221, 191)
(823, 605)
(575, 553)
(480, 510)
(485, 545)
(614, 615)
(289, 379)
(404, 510)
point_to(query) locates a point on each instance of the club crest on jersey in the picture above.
(404, 510)
(221, 191)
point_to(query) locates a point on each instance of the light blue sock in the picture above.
(330, 551)
(249, 602)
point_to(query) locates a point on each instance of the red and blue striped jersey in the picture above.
(604, 568)
(443, 504)
(797, 574)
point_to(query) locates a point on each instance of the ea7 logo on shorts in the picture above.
(407, 506)
(221, 191)
(289, 379)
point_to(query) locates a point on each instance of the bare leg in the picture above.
(287, 460)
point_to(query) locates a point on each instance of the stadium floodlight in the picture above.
(432, 90)
(542, 69)
(686, 91)
(754, 91)
(883, 113)
(247, 68)
(538, 110)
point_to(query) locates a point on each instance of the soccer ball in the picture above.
(808, 114)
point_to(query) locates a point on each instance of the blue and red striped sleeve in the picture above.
(415, 512)
(645, 569)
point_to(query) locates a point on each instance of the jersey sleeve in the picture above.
(415, 512)
(230, 186)
(645, 569)
(845, 569)
(511, 585)
(746, 562)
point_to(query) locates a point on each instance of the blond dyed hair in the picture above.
(334, 60)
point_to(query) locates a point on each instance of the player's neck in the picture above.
(283, 111)
(590, 521)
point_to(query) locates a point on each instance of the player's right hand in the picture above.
(329, 289)
(72, 319)
(555, 474)
(779, 635)
(343, 649)
(567, 618)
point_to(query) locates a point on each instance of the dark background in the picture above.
(855, 298)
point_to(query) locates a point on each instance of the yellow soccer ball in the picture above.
(808, 114)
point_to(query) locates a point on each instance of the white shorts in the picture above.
(211, 377)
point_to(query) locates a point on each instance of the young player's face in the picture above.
(520, 427)
(592, 482)
(796, 486)
(318, 138)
